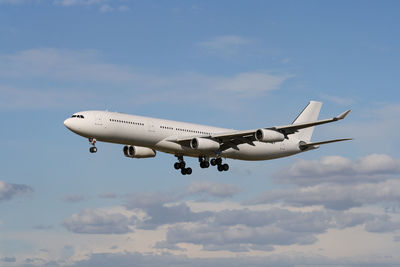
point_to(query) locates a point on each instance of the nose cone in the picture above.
(67, 123)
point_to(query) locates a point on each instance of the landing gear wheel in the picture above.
(218, 161)
(225, 167)
(182, 164)
(177, 165)
(206, 164)
(213, 162)
(188, 171)
(183, 171)
(93, 149)
(220, 168)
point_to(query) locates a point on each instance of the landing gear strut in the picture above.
(181, 164)
(93, 149)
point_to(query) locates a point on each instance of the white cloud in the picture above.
(106, 8)
(64, 74)
(78, 2)
(225, 45)
(9, 191)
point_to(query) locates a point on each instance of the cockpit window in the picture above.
(78, 116)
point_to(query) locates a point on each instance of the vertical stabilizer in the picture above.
(309, 114)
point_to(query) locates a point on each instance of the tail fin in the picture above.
(309, 114)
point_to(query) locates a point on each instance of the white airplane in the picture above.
(143, 136)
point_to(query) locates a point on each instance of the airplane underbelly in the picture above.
(262, 151)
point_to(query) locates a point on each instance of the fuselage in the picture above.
(158, 134)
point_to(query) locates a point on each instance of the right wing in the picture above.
(235, 138)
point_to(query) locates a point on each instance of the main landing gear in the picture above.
(221, 167)
(93, 149)
(181, 164)
(204, 163)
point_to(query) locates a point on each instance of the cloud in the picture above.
(8, 259)
(245, 229)
(279, 260)
(78, 2)
(213, 189)
(73, 198)
(225, 45)
(9, 191)
(108, 195)
(335, 196)
(64, 74)
(337, 169)
(99, 221)
(161, 211)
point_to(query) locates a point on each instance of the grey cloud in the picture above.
(244, 229)
(8, 259)
(159, 213)
(213, 189)
(43, 227)
(382, 224)
(99, 222)
(278, 260)
(73, 198)
(9, 191)
(166, 245)
(335, 196)
(108, 195)
(336, 169)
(235, 237)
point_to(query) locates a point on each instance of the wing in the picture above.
(233, 139)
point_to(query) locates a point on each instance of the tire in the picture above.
(220, 168)
(202, 165)
(182, 164)
(213, 162)
(206, 164)
(183, 171)
(189, 171)
(177, 165)
(226, 167)
(219, 161)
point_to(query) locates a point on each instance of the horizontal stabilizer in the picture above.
(304, 146)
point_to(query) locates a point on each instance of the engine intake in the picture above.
(268, 136)
(139, 152)
(204, 144)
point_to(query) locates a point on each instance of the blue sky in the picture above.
(234, 64)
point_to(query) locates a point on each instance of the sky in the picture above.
(233, 64)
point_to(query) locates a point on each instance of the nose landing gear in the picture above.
(93, 149)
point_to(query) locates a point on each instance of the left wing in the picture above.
(233, 139)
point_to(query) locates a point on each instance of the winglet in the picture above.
(343, 115)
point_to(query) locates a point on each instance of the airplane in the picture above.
(143, 136)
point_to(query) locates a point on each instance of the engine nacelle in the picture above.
(268, 136)
(204, 144)
(139, 152)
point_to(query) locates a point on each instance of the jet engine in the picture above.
(204, 144)
(268, 136)
(139, 152)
